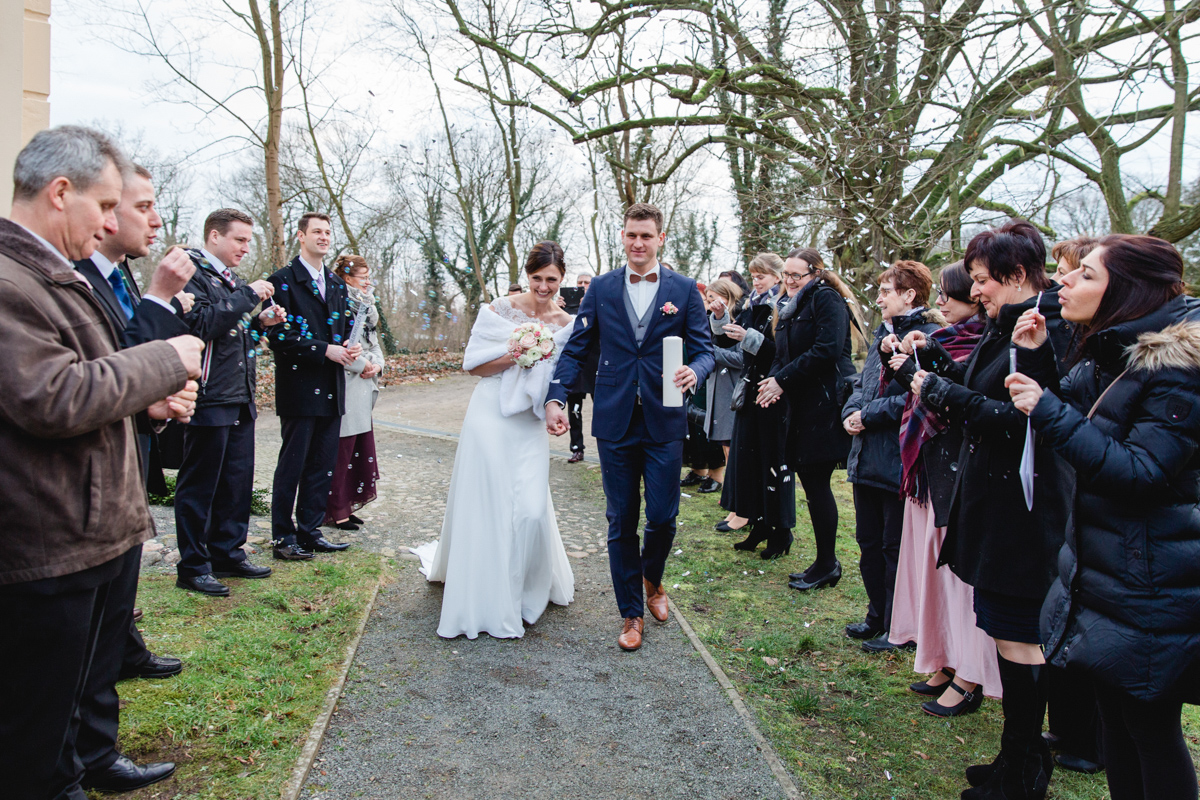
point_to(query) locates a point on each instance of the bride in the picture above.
(500, 554)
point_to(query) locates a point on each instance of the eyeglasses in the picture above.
(884, 291)
(942, 294)
(792, 277)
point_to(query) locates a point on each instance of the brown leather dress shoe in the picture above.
(137, 614)
(631, 634)
(656, 600)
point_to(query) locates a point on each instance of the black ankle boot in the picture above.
(1022, 770)
(754, 537)
(779, 543)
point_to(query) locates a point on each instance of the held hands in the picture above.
(371, 370)
(179, 406)
(769, 391)
(918, 381)
(272, 315)
(343, 355)
(853, 424)
(171, 275)
(263, 289)
(735, 332)
(556, 419)
(1025, 391)
(1030, 331)
(189, 349)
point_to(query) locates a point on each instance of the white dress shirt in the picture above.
(316, 273)
(107, 267)
(51, 248)
(642, 293)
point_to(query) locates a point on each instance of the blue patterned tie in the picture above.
(118, 287)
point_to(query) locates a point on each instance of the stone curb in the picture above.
(291, 790)
(772, 758)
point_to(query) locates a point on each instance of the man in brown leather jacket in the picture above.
(72, 503)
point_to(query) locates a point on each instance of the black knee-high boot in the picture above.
(1022, 770)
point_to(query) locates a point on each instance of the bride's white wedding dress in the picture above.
(500, 555)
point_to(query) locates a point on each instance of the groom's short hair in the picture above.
(640, 211)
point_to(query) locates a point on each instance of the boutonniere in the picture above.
(670, 308)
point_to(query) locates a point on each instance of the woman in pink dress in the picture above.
(933, 606)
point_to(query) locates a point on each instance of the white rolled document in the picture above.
(672, 361)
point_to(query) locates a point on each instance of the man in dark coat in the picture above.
(310, 391)
(216, 479)
(120, 649)
(587, 380)
(70, 451)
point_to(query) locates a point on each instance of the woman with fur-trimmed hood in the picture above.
(1126, 605)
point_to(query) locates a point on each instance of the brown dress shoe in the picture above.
(631, 634)
(137, 614)
(656, 600)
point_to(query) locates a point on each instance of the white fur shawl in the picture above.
(520, 389)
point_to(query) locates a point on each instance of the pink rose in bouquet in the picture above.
(530, 344)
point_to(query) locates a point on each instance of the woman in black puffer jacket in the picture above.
(1126, 605)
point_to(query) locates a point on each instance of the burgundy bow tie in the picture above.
(635, 278)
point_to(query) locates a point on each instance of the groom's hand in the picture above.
(685, 379)
(556, 419)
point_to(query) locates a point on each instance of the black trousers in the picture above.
(47, 639)
(1074, 715)
(213, 495)
(99, 705)
(1145, 754)
(136, 653)
(879, 523)
(575, 418)
(306, 462)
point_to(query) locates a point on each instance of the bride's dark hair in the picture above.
(545, 254)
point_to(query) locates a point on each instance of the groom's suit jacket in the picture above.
(626, 368)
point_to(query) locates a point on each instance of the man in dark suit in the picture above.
(215, 487)
(310, 391)
(587, 382)
(120, 649)
(625, 315)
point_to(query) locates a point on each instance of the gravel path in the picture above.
(562, 713)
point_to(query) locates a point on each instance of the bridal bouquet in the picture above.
(530, 343)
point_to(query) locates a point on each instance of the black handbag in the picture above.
(695, 415)
(738, 399)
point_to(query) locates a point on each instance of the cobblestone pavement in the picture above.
(561, 713)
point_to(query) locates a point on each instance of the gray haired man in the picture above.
(72, 502)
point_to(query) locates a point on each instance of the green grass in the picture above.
(260, 499)
(258, 665)
(842, 720)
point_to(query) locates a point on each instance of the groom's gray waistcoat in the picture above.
(639, 325)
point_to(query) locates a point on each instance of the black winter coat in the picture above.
(812, 360)
(228, 368)
(758, 482)
(875, 453)
(307, 384)
(993, 541)
(1126, 604)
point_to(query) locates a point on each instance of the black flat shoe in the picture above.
(862, 630)
(242, 569)
(752, 541)
(1077, 764)
(971, 701)
(691, 479)
(323, 545)
(358, 521)
(708, 486)
(125, 776)
(774, 551)
(924, 689)
(154, 667)
(829, 579)
(292, 552)
(881, 644)
(204, 584)
(344, 526)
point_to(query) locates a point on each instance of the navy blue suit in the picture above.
(639, 439)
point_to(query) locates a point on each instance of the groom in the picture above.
(625, 315)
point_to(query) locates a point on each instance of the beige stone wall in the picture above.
(24, 81)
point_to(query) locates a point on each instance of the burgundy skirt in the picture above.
(354, 477)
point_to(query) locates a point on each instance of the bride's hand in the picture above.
(556, 419)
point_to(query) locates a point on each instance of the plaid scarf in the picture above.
(919, 423)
